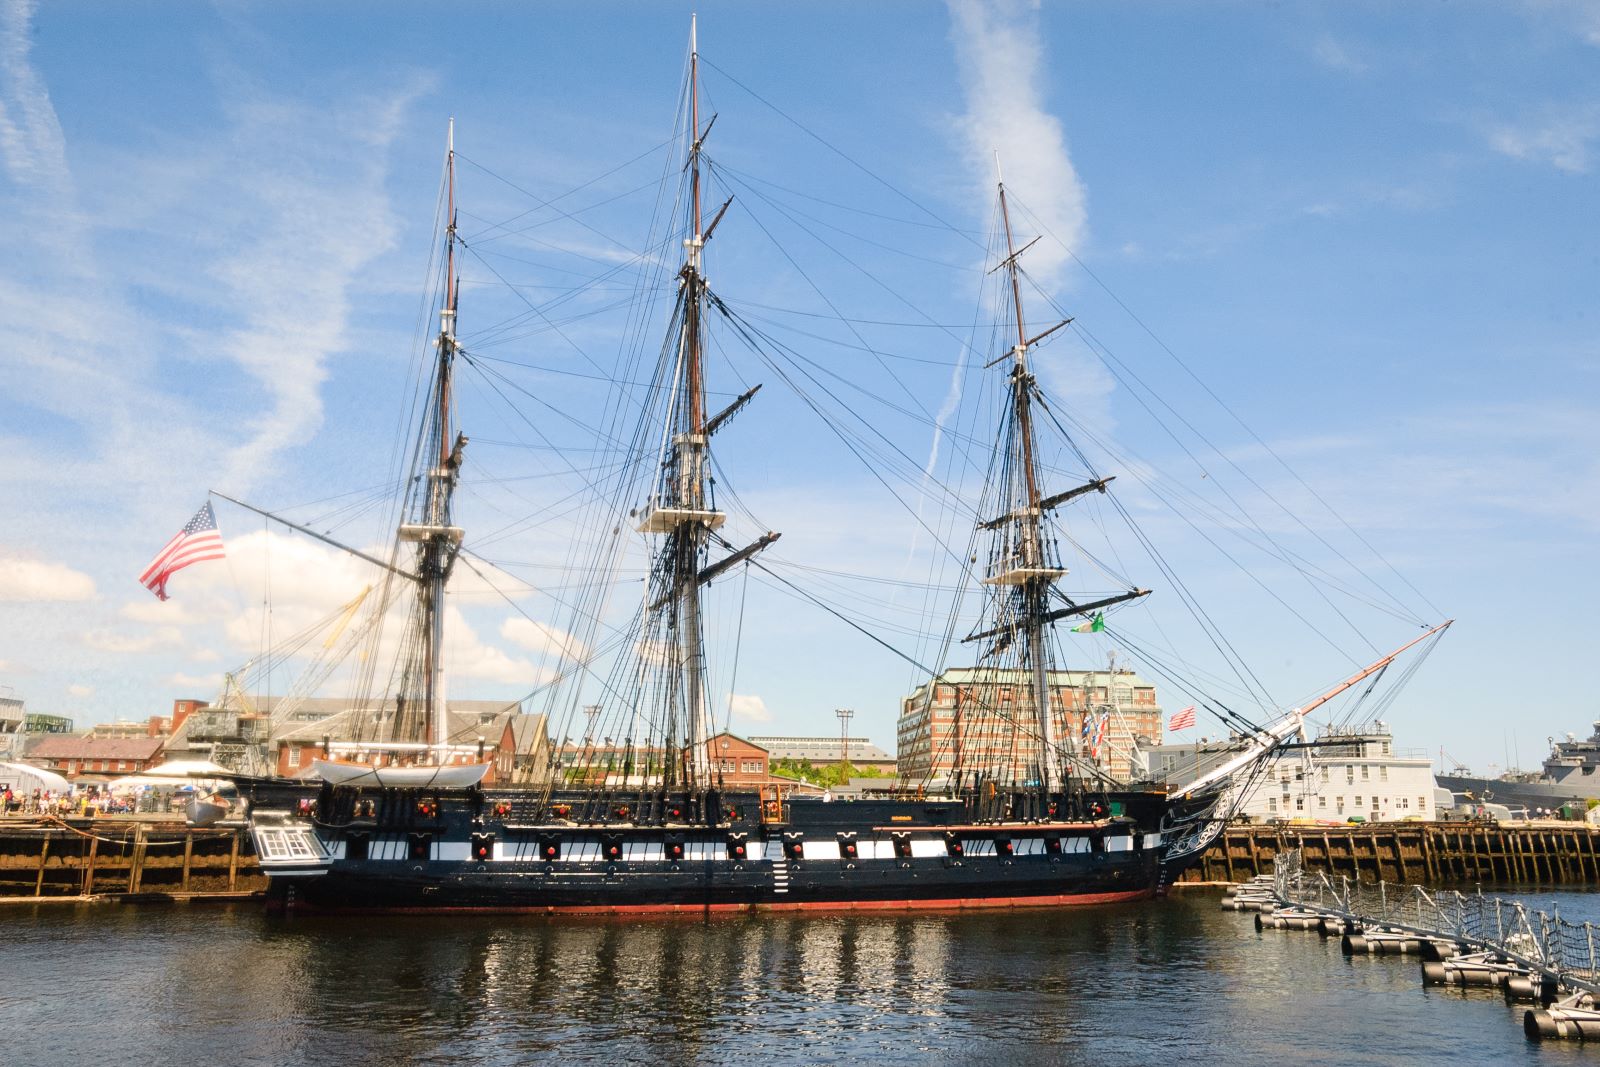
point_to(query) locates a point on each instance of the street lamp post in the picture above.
(845, 715)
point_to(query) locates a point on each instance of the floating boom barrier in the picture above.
(1463, 940)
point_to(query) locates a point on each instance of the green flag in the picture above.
(1093, 626)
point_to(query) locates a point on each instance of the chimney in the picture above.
(182, 709)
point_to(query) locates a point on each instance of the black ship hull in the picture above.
(408, 850)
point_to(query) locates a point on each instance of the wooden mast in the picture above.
(692, 534)
(1034, 575)
(681, 509)
(437, 535)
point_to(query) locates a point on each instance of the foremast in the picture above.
(682, 510)
(438, 540)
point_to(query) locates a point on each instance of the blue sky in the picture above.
(1370, 228)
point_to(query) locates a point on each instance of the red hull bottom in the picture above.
(944, 904)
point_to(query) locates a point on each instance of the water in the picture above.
(1166, 982)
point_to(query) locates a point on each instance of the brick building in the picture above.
(76, 755)
(985, 715)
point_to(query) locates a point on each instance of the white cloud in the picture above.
(542, 638)
(122, 643)
(1000, 60)
(1336, 56)
(77, 690)
(163, 612)
(751, 707)
(468, 657)
(310, 587)
(312, 237)
(33, 580)
(1563, 141)
(1582, 16)
(201, 683)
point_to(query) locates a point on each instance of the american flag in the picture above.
(1182, 720)
(198, 541)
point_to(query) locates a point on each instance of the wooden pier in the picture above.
(1428, 853)
(142, 860)
(124, 859)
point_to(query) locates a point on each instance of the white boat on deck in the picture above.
(439, 775)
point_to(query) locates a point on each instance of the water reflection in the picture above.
(1135, 984)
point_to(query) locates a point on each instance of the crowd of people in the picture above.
(87, 801)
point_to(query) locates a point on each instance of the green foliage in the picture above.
(826, 776)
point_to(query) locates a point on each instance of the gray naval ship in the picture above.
(1571, 776)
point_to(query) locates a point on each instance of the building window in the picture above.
(1422, 803)
(1383, 774)
(1405, 803)
(1366, 772)
(122, 764)
(1374, 803)
(1322, 802)
(1324, 774)
(1358, 803)
(294, 756)
(1299, 803)
(1272, 803)
(1340, 802)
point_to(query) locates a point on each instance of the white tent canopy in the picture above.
(187, 768)
(25, 778)
(174, 774)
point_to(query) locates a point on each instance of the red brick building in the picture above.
(75, 755)
(742, 764)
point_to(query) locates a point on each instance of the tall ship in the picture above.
(639, 813)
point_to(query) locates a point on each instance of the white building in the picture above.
(1347, 773)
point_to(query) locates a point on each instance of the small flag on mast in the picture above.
(198, 541)
(1182, 720)
(1093, 626)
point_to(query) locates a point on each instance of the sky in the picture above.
(1334, 270)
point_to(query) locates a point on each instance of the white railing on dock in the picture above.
(1540, 941)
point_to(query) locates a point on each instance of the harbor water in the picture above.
(1170, 981)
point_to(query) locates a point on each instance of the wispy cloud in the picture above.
(1335, 55)
(196, 683)
(1563, 140)
(1581, 16)
(31, 580)
(32, 146)
(1000, 61)
(292, 275)
(253, 237)
(119, 643)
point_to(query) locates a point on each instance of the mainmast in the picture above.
(436, 538)
(1028, 572)
(682, 508)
